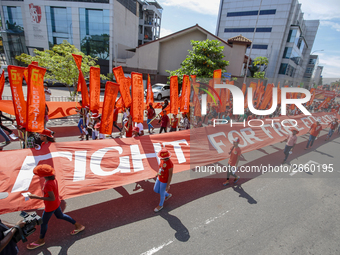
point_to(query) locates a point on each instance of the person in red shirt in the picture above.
(314, 132)
(164, 122)
(151, 114)
(164, 177)
(115, 117)
(235, 154)
(52, 204)
(173, 123)
(46, 136)
(334, 124)
(128, 126)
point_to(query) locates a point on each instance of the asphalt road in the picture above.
(273, 213)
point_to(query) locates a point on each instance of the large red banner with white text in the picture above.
(90, 166)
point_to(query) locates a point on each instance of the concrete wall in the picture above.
(174, 51)
(146, 57)
(235, 58)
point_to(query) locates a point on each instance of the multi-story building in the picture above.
(309, 77)
(318, 76)
(278, 31)
(100, 28)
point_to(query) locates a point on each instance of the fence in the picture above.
(55, 98)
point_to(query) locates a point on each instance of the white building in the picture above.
(280, 34)
(100, 28)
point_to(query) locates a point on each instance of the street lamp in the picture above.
(316, 51)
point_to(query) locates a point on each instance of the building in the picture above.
(313, 72)
(100, 28)
(167, 53)
(278, 31)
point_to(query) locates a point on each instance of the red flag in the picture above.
(118, 73)
(35, 99)
(149, 93)
(77, 59)
(244, 88)
(15, 75)
(267, 97)
(111, 92)
(217, 76)
(137, 111)
(325, 102)
(185, 105)
(124, 85)
(174, 94)
(94, 88)
(2, 83)
(120, 103)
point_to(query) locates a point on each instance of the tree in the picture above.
(96, 46)
(60, 64)
(255, 68)
(205, 57)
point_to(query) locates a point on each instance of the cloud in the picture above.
(165, 32)
(334, 25)
(201, 6)
(331, 64)
(323, 10)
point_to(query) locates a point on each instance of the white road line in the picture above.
(156, 249)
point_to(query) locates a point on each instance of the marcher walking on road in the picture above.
(150, 115)
(334, 124)
(164, 122)
(52, 204)
(291, 141)
(235, 154)
(164, 177)
(314, 132)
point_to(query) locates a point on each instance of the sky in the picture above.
(180, 14)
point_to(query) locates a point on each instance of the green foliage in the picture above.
(255, 67)
(205, 57)
(60, 64)
(234, 79)
(96, 46)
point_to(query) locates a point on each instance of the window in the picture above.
(251, 13)
(312, 61)
(292, 35)
(259, 46)
(247, 30)
(13, 18)
(264, 29)
(309, 70)
(283, 68)
(287, 52)
(94, 25)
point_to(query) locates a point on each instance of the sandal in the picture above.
(157, 210)
(76, 231)
(34, 245)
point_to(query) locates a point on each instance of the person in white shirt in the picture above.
(48, 93)
(140, 126)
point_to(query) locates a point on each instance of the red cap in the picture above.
(44, 170)
(48, 133)
(150, 104)
(164, 153)
(294, 129)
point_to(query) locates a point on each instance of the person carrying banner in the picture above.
(291, 141)
(151, 113)
(164, 177)
(314, 132)
(334, 124)
(52, 204)
(135, 132)
(235, 154)
(128, 125)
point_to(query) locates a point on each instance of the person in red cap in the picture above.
(291, 141)
(334, 124)
(135, 132)
(314, 132)
(150, 114)
(46, 137)
(52, 204)
(235, 154)
(164, 177)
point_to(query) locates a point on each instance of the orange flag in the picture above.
(217, 76)
(2, 83)
(253, 86)
(94, 89)
(124, 85)
(120, 103)
(118, 73)
(227, 94)
(244, 89)
(185, 105)
(82, 86)
(35, 99)
(167, 109)
(111, 92)
(180, 102)
(267, 97)
(137, 109)
(311, 99)
(149, 93)
(15, 75)
(292, 107)
(174, 94)
(325, 102)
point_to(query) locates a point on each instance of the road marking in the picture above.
(156, 249)
(309, 162)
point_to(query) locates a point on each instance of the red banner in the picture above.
(137, 110)
(149, 93)
(15, 75)
(118, 73)
(82, 82)
(174, 94)
(35, 99)
(323, 94)
(87, 167)
(267, 97)
(2, 83)
(124, 88)
(94, 88)
(324, 103)
(111, 92)
(217, 76)
(77, 59)
(185, 104)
